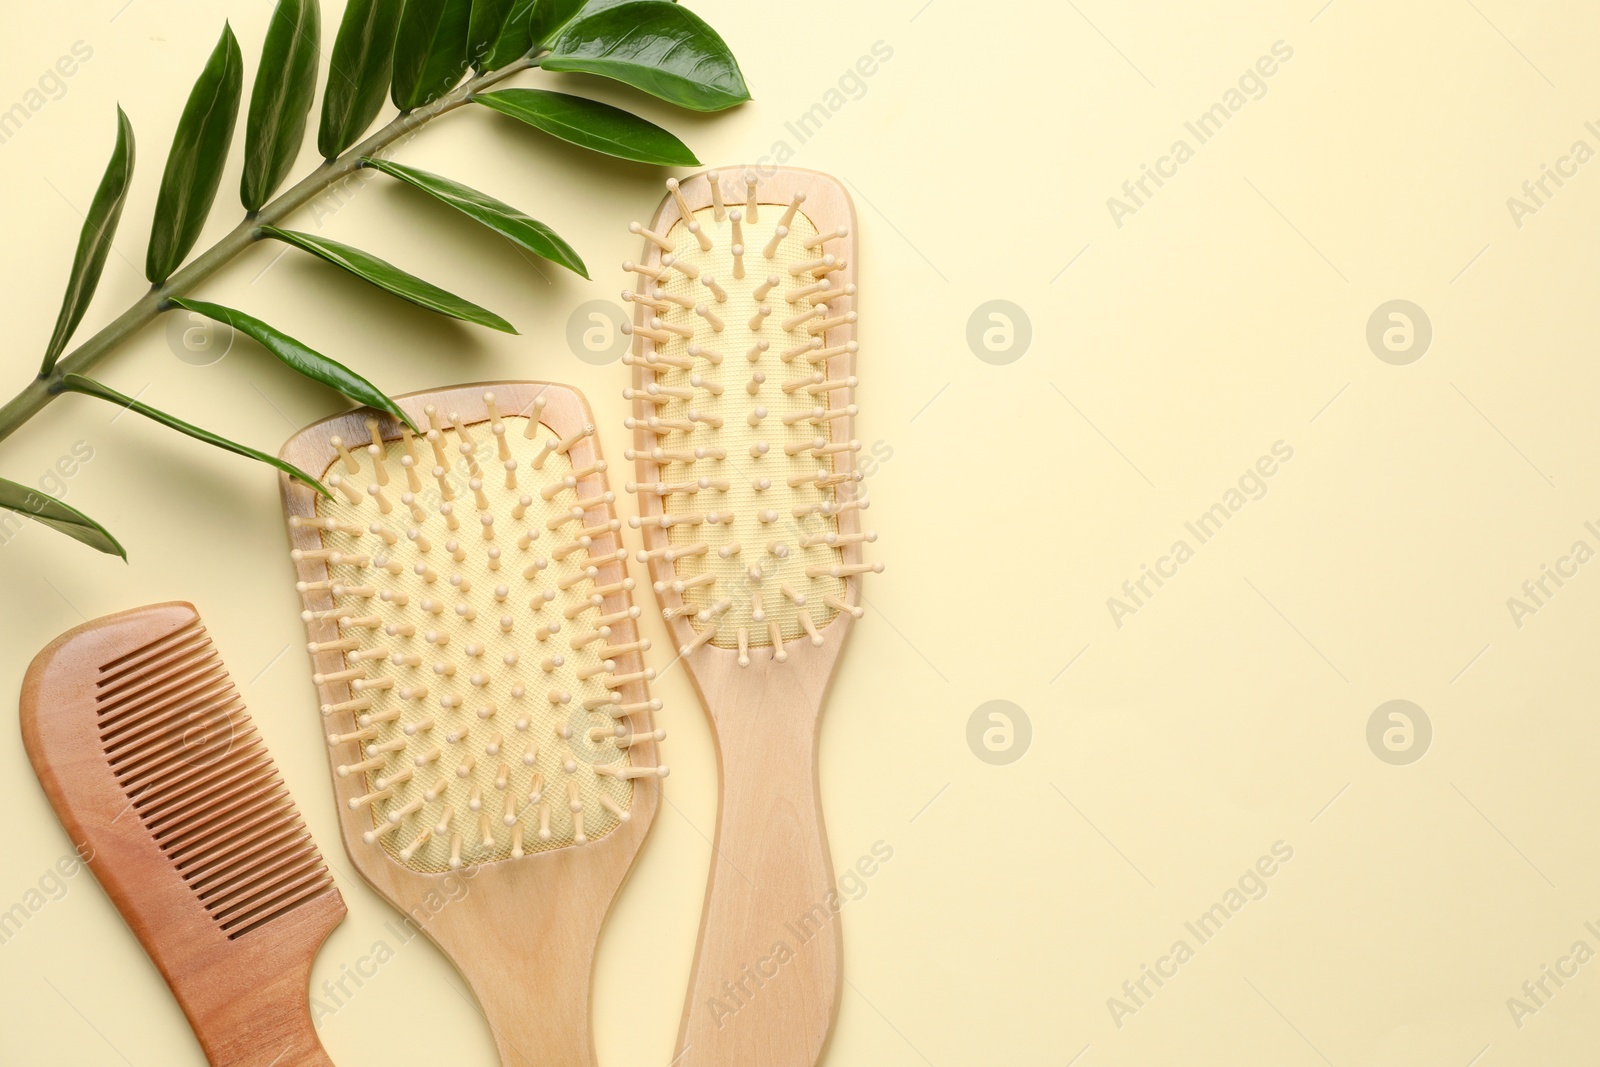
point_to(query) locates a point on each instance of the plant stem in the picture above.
(45, 388)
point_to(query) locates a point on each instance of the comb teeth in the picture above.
(743, 347)
(462, 621)
(187, 756)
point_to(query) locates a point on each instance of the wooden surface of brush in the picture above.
(147, 755)
(482, 687)
(744, 413)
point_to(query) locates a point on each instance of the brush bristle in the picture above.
(743, 345)
(469, 618)
(198, 776)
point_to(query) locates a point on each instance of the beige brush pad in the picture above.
(737, 436)
(483, 680)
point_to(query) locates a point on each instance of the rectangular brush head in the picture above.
(472, 631)
(744, 357)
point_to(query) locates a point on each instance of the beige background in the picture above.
(1167, 755)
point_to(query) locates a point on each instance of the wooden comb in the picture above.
(148, 757)
(487, 713)
(744, 355)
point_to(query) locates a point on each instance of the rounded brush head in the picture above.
(743, 357)
(472, 629)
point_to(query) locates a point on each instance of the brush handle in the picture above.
(542, 1019)
(766, 980)
(524, 935)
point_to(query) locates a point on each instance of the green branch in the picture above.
(416, 55)
(42, 390)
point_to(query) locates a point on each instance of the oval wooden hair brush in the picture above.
(147, 754)
(480, 676)
(743, 362)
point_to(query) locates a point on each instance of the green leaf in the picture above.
(286, 83)
(358, 73)
(661, 48)
(549, 16)
(77, 383)
(533, 22)
(391, 279)
(489, 21)
(592, 124)
(58, 516)
(502, 218)
(594, 7)
(515, 39)
(297, 357)
(194, 166)
(94, 243)
(430, 52)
